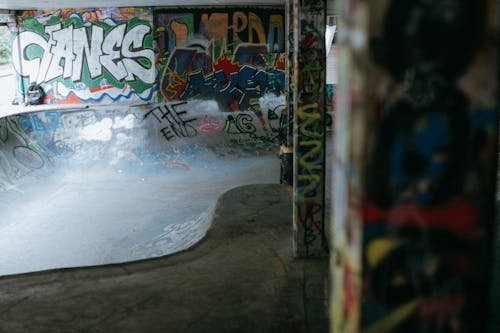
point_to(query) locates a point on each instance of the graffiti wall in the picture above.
(99, 56)
(161, 133)
(426, 205)
(231, 55)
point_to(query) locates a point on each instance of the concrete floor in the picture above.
(241, 277)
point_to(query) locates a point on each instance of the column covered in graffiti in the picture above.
(98, 56)
(428, 193)
(309, 63)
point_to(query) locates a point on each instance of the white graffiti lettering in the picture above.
(63, 54)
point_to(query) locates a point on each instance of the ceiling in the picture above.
(52, 4)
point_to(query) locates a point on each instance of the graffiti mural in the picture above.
(87, 55)
(173, 116)
(181, 120)
(170, 135)
(233, 56)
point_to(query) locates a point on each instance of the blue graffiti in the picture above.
(242, 80)
(416, 158)
(48, 121)
(243, 87)
(330, 92)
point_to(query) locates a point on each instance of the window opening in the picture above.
(7, 74)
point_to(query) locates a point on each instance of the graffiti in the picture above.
(77, 59)
(425, 219)
(241, 123)
(185, 120)
(70, 47)
(330, 94)
(172, 115)
(217, 62)
(275, 120)
(75, 120)
(310, 123)
(227, 28)
(234, 86)
(4, 131)
(175, 164)
(310, 218)
(311, 159)
(208, 125)
(41, 122)
(245, 123)
(315, 6)
(330, 100)
(28, 157)
(19, 155)
(111, 14)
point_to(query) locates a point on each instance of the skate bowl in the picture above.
(110, 184)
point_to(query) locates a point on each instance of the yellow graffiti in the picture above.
(379, 249)
(255, 26)
(312, 155)
(276, 25)
(312, 181)
(309, 115)
(390, 322)
(310, 137)
(399, 280)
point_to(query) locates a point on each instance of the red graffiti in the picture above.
(350, 301)
(174, 90)
(281, 63)
(308, 215)
(208, 125)
(458, 215)
(448, 306)
(171, 164)
(225, 64)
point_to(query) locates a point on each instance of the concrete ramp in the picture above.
(108, 184)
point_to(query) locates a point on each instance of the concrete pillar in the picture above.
(309, 103)
(286, 136)
(415, 166)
